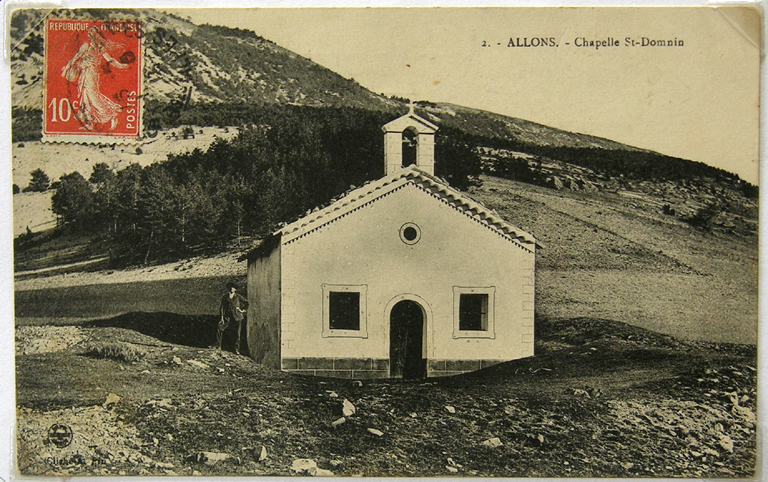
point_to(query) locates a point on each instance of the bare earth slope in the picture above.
(618, 257)
(599, 399)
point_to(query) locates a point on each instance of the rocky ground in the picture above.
(122, 358)
(599, 399)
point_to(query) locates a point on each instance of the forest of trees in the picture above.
(270, 173)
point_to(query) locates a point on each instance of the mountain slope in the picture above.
(189, 66)
(218, 76)
(212, 64)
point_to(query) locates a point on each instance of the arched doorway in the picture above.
(407, 319)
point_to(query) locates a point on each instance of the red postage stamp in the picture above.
(93, 72)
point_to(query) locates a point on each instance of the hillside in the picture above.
(613, 256)
(182, 58)
(144, 395)
(189, 80)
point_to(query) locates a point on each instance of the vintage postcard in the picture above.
(470, 242)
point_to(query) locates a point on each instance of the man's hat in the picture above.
(231, 285)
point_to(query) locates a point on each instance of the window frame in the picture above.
(490, 292)
(363, 291)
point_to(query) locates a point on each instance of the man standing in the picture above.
(232, 308)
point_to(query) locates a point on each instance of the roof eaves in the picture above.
(424, 121)
(352, 200)
(480, 212)
(358, 197)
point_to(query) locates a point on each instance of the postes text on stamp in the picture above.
(93, 75)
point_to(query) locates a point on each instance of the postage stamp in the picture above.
(93, 74)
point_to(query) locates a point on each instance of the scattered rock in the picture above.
(263, 454)
(322, 473)
(338, 422)
(198, 364)
(358, 383)
(196, 473)
(413, 415)
(709, 451)
(492, 443)
(745, 413)
(450, 409)
(111, 401)
(333, 395)
(210, 458)
(177, 361)
(726, 443)
(169, 437)
(304, 466)
(373, 431)
(536, 441)
(347, 409)
(452, 470)
(164, 465)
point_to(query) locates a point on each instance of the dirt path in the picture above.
(223, 265)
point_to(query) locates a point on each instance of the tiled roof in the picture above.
(358, 198)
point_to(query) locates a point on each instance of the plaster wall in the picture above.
(263, 327)
(365, 248)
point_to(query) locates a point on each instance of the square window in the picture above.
(473, 312)
(344, 310)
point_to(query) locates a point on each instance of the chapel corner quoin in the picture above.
(404, 277)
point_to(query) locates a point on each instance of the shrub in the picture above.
(115, 351)
(705, 217)
(39, 182)
(16, 189)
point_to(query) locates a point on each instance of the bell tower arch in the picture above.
(424, 139)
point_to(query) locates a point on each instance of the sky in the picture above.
(698, 101)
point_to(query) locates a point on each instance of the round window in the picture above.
(410, 233)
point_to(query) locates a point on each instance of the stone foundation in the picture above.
(445, 368)
(361, 368)
(367, 368)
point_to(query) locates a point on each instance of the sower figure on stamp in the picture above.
(232, 310)
(84, 69)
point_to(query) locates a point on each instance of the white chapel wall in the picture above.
(365, 248)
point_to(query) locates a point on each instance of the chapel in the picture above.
(402, 277)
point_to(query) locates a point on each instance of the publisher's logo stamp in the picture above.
(60, 435)
(93, 75)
